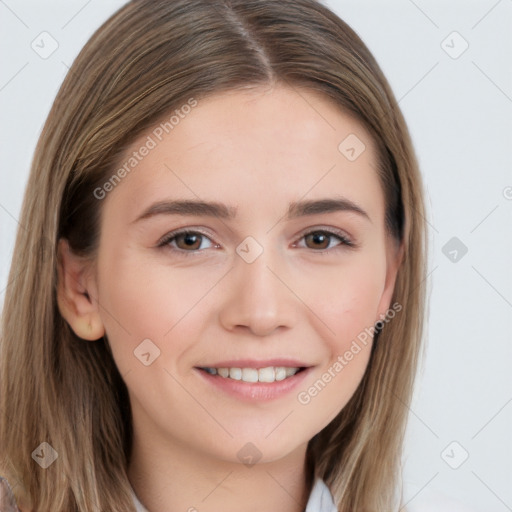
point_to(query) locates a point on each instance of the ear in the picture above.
(394, 258)
(77, 294)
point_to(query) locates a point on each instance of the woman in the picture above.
(223, 266)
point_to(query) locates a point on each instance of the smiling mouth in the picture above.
(253, 375)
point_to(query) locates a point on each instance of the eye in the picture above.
(322, 239)
(187, 241)
(191, 241)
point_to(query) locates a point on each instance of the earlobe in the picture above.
(76, 295)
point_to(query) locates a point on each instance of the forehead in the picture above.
(269, 144)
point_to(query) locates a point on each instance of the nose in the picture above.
(258, 298)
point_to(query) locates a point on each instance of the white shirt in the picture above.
(320, 500)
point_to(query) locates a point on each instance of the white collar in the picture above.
(320, 499)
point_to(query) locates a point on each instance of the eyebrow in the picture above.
(222, 211)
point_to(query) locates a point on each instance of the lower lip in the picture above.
(261, 391)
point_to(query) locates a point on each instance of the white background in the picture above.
(459, 111)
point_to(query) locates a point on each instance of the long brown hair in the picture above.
(148, 59)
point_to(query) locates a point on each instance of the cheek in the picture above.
(346, 300)
(347, 297)
(141, 301)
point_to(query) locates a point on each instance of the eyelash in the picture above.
(345, 242)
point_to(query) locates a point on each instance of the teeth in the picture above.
(280, 373)
(266, 374)
(269, 374)
(249, 375)
(234, 373)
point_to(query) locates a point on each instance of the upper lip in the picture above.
(253, 363)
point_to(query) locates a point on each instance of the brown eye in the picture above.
(322, 240)
(318, 240)
(188, 241)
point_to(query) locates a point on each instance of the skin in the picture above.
(256, 151)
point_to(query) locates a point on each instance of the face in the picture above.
(247, 238)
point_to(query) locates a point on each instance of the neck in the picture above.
(168, 475)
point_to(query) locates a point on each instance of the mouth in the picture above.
(267, 374)
(252, 381)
